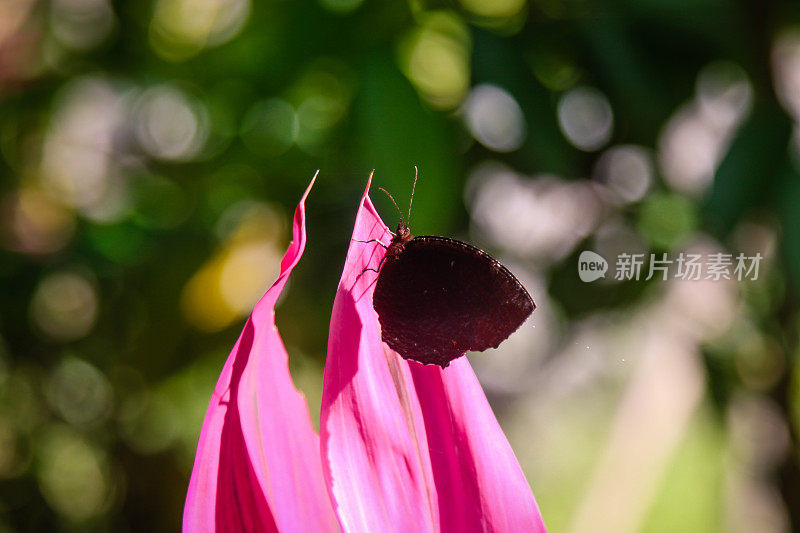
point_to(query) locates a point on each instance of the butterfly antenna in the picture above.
(413, 188)
(395, 205)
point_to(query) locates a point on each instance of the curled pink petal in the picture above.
(258, 466)
(373, 437)
(408, 447)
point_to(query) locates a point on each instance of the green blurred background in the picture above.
(152, 153)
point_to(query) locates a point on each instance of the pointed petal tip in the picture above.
(308, 189)
(369, 184)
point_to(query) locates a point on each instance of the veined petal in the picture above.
(408, 447)
(480, 484)
(373, 437)
(258, 465)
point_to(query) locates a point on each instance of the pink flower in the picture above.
(403, 446)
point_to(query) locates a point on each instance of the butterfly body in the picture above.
(438, 298)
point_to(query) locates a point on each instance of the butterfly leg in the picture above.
(371, 240)
(372, 269)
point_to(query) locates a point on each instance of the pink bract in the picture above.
(403, 446)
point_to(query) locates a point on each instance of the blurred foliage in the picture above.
(152, 153)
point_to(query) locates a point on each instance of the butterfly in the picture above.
(437, 298)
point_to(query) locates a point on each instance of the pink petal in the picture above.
(258, 465)
(481, 485)
(373, 437)
(407, 446)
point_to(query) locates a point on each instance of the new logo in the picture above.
(591, 266)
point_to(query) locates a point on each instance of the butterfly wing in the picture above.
(440, 297)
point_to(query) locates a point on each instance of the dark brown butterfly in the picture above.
(438, 298)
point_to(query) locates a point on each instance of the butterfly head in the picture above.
(401, 237)
(402, 234)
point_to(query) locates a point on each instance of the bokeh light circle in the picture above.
(494, 118)
(64, 306)
(586, 118)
